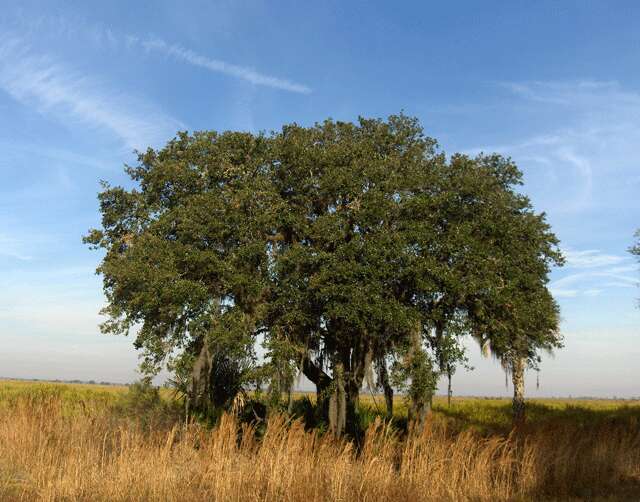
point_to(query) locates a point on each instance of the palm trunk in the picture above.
(517, 377)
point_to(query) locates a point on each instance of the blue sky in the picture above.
(555, 85)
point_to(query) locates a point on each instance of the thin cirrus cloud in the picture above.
(596, 273)
(590, 258)
(588, 152)
(580, 95)
(12, 248)
(215, 65)
(108, 38)
(551, 160)
(55, 89)
(585, 165)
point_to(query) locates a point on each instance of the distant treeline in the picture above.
(57, 380)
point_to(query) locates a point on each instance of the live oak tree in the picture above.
(532, 321)
(343, 246)
(339, 290)
(484, 272)
(186, 266)
(513, 313)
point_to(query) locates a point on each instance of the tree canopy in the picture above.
(341, 246)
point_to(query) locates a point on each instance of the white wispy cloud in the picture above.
(586, 158)
(619, 284)
(56, 89)
(551, 161)
(104, 37)
(215, 65)
(597, 273)
(592, 282)
(16, 151)
(599, 95)
(591, 258)
(12, 248)
(582, 170)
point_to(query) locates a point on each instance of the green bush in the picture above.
(143, 402)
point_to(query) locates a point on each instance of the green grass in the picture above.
(488, 415)
(73, 441)
(71, 395)
(494, 414)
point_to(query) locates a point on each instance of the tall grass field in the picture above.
(62, 442)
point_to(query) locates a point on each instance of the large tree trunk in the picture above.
(352, 388)
(517, 376)
(348, 375)
(418, 412)
(199, 383)
(322, 382)
(199, 386)
(315, 374)
(338, 395)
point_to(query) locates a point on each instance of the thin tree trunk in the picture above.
(422, 394)
(338, 402)
(517, 377)
(290, 399)
(383, 375)
(388, 399)
(449, 390)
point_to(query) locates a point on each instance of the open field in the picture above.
(86, 442)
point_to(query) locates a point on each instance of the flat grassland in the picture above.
(106, 443)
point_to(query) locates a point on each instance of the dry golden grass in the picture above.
(52, 450)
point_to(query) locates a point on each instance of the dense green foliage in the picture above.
(341, 246)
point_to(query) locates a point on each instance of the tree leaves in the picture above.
(334, 242)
